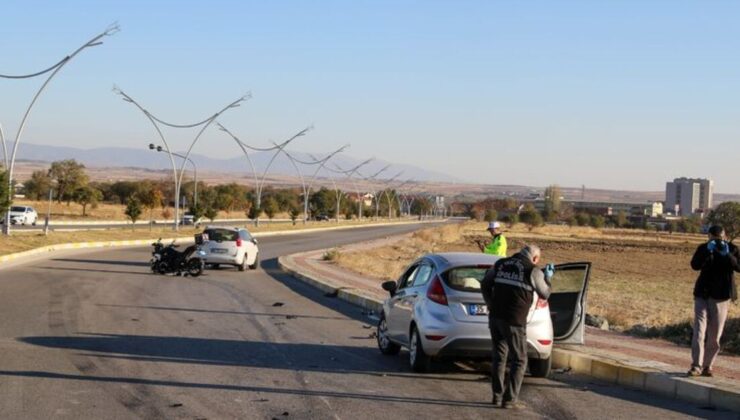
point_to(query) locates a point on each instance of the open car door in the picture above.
(568, 302)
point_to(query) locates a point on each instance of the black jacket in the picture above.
(508, 289)
(716, 278)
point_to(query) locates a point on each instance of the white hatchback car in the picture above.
(437, 311)
(23, 215)
(230, 246)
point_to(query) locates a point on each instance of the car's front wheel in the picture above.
(385, 344)
(540, 368)
(418, 360)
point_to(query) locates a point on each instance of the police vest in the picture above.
(513, 291)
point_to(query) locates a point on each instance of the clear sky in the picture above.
(614, 94)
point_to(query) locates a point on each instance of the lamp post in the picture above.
(195, 171)
(9, 162)
(156, 122)
(349, 174)
(259, 184)
(307, 188)
(370, 179)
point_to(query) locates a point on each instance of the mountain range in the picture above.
(147, 159)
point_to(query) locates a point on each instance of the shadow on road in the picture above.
(220, 352)
(106, 262)
(89, 270)
(246, 388)
(213, 311)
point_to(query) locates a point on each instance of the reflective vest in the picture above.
(497, 246)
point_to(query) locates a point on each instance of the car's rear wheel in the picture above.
(256, 263)
(418, 360)
(385, 344)
(540, 368)
(243, 265)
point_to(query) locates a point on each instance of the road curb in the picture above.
(36, 252)
(603, 368)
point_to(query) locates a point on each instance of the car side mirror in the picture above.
(255, 241)
(390, 287)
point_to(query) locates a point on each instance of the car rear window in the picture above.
(465, 279)
(20, 209)
(221, 235)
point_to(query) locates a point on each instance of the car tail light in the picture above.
(542, 304)
(436, 292)
(545, 342)
(434, 337)
(238, 242)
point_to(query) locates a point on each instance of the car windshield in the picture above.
(465, 279)
(221, 235)
(18, 209)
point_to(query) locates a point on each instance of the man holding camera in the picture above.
(717, 260)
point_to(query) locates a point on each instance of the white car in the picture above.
(230, 246)
(23, 215)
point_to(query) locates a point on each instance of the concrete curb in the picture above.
(602, 368)
(39, 252)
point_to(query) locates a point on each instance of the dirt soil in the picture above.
(638, 278)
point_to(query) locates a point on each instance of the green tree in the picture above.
(294, 212)
(197, 212)
(727, 215)
(583, 219)
(5, 198)
(510, 219)
(531, 217)
(621, 220)
(553, 198)
(491, 215)
(38, 186)
(87, 195)
(271, 208)
(597, 221)
(210, 213)
(151, 199)
(691, 224)
(69, 175)
(133, 210)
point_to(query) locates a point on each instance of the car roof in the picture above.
(446, 260)
(224, 228)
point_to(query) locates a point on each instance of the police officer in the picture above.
(498, 243)
(508, 289)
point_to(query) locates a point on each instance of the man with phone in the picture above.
(716, 260)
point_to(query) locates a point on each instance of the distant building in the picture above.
(689, 196)
(608, 208)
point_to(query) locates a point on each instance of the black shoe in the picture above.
(496, 402)
(707, 373)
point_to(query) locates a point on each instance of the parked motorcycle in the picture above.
(167, 259)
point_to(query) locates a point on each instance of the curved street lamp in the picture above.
(321, 163)
(195, 171)
(260, 183)
(156, 122)
(349, 174)
(10, 162)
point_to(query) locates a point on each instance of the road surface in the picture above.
(94, 335)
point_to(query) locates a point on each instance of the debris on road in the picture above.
(277, 304)
(176, 405)
(135, 319)
(290, 317)
(332, 294)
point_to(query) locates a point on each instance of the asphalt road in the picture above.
(94, 335)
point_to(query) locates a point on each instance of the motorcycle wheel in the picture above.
(162, 267)
(195, 267)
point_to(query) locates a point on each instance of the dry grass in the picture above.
(638, 277)
(106, 211)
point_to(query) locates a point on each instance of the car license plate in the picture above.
(219, 250)
(475, 309)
